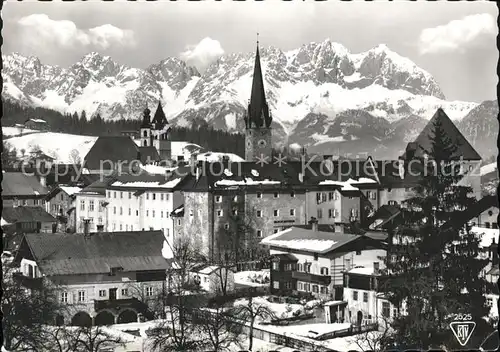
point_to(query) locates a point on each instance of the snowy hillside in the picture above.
(321, 78)
(60, 146)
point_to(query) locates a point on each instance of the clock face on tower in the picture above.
(262, 143)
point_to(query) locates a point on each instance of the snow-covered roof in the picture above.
(215, 156)
(295, 238)
(247, 182)
(38, 120)
(179, 147)
(144, 184)
(70, 190)
(157, 169)
(362, 270)
(348, 185)
(489, 168)
(3, 222)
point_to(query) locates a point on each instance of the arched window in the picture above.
(145, 133)
(145, 143)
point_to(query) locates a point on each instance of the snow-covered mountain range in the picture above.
(320, 94)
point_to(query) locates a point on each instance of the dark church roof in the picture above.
(112, 149)
(159, 119)
(258, 110)
(423, 142)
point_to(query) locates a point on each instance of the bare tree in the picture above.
(25, 311)
(176, 333)
(81, 339)
(74, 157)
(220, 328)
(250, 312)
(374, 340)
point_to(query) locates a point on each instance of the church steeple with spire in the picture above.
(258, 118)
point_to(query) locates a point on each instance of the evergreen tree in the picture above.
(433, 262)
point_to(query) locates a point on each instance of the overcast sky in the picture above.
(455, 42)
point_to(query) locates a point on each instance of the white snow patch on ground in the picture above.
(252, 278)
(16, 131)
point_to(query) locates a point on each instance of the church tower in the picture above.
(161, 134)
(145, 135)
(258, 119)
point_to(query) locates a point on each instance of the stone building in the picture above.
(110, 277)
(60, 203)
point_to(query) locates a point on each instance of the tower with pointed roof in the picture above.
(258, 133)
(156, 133)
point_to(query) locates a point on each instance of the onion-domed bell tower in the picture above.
(145, 136)
(258, 134)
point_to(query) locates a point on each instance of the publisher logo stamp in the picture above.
(463, 331)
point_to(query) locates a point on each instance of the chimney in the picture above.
(225, 161)
(376, 268)
(347, 264)
(314, 224)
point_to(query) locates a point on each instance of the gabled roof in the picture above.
(72, 254)
(20, 184)
(472, 212)
(382, 216)
(423, 142)
(69, 190)
(98, 187)
(144, 180)
(112, 149)
(26, 214)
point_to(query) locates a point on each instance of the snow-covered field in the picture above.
(57, 145)
(252, 278)
(16, 131)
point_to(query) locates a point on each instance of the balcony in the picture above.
(31, 283)
(312, 278)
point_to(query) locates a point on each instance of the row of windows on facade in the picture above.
(306, 267)
(258, 213)
(127, 227)
(91, 206)
(218, 199)
(81, 294)
(24, 202)
(165, 214)
(162, 196)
